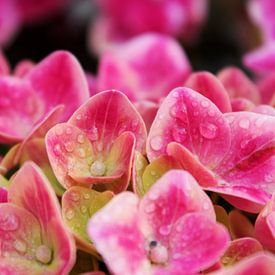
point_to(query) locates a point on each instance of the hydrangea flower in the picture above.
(232, 153)
(97, 143)
(171, 230)
(33, 237)
(32, 104)
(116, 23)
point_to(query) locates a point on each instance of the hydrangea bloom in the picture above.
(38, 98)
(222, 151)
(33, 237)
(171, 230)
(97, 144)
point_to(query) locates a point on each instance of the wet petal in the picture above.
(171, 197)
(264, 109)
(118, 230)
(31, 191)
(208, 85)
(208, 136)
(197, 242)
(239, 249)
(106, 116)
(238, 84)
(58, 86)
(79, 204)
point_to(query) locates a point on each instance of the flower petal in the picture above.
(208, 136)
(106, 116)
(171, 197)
(32, 191)
(208, 85)
(116, 234)
(57, 79)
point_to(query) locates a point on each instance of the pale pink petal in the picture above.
(31, 191)
(118, 230)
(197, 242)
(57, 79)
(192, 120)
(264, 109)
(171, 197)
(238, 84)
(106, 116)
(208, 85)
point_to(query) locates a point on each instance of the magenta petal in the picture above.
(238, 84)
(106, 116)
(4, 65)
(192, 120)
(197, 242)
(241, 104)
(208, 85)
(57, 79)
(23, 68)
(3, 194)
(117, 228)
(173, 195)
(266, 87)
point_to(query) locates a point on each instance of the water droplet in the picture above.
(153, 195)
(165, 230)
(69, 214)
(174, 110)
(150, 208)
(244, 123)
(176, 256)
(20, 246)
(204, 103)
(75, 196)
(156, 143)
(93, 134)
(57, 149)
(153, 173)
(43, 254)
(59, 131)
(80, 138)
(208, 130)
(211, 113)
(9, 222)
(194, 103)
(268, 178)
(244, 143)
(78, 117)
(179, 135)
(196, 113)
(83, 209)
(86, 196)
(82, 152)
(69, 147)
(175, 94)
(98, 168)
(69, 131)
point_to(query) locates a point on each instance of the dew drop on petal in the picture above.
(83, 209)
(80, 138)
(82, 152)
(208, 130)
(153, 173)
(156, 143)
(204, 103)
(244, 123)
(57, 149)
(69, 214)
(69, 147)
(176, 256)
(59, 131)
(75, 196)
(98, 168)
(165, 230)
(211, 113)
(43, 254)
(9, 222)
(93, 134)
(150, 208)
(78, 117)
(86, 196)
(69, 131)
(268, 178)
(20, 246)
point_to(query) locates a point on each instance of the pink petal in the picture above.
(3, 194)
(266, 87)
(238, 84)
(106, 116)
(261, 60)
(239, 249)
(58, 86)
(171, 197)
(265, 225)
(145, 67)
(208, 85)
(32, 191)
(241, 104)
(249, 163)
(116, 228)
(197, 242)
(264, 109)
(260, 263)
(23, 68)
(20, 109)
(208, 136)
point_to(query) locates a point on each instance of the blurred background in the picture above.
(225, 35)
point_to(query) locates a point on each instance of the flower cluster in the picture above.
(147, 167)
